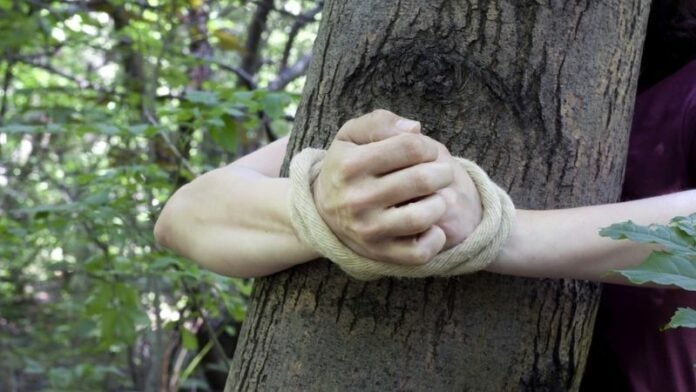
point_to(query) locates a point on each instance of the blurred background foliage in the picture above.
(106, 107)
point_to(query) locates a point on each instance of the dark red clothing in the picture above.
(629, 352)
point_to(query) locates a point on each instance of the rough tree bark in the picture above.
(540, 94)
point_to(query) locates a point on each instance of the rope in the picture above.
(472, 255)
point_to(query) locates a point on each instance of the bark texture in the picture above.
(540, 94)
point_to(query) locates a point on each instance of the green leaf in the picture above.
(19, 129)
(244, 286)
(215, 122)
(683, 318)
(238, 311)
(99, 300)
(188, 340)
(251, 100)
(226, 136)
(140, 129)
(274, 104)
(672, 239)
(686, 224)
(207, 98)
(230, 330)
(107, 129)
(127, 296)
(108, 330)
(664, 268)
(233, 111)
(94, 264)
(97, 199)
(163, 263)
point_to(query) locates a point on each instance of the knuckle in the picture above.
(348, 124)
(414, 145)
(442, 149)
(416, 220)
(356, 201)
(350, 166)
(448, 196)
(382, 114)
(369, 231)
(422, 182)
(345, 128)
(328, 208)
(449, 171)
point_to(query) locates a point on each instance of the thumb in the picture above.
(376, 126)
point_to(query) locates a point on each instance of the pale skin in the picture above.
(394, 195)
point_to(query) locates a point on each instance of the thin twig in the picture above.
(246, 78)
(152, 121)
(289, 74)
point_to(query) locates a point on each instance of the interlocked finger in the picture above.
(412, 183)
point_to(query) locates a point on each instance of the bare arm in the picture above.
(234, 220)
(566, 243)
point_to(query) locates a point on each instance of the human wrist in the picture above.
(513, 252)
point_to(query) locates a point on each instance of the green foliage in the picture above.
(103, 115)
(684, 317)
(674, 265)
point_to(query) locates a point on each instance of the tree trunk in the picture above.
(540, 94)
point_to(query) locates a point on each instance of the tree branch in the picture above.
(287, 75)
(7, 79)
(257, 26)
(245, 78)
(300, 22)
(152, 121)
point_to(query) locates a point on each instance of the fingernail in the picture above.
(407, 125)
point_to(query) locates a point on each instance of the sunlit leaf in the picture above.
(188, 340)
(227, 40)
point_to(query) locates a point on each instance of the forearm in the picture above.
(566, 243)
(235, 222)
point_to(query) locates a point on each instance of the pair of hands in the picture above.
(392, 194)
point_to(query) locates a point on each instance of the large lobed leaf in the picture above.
(675, 265)
(664, 268)
(676, 237)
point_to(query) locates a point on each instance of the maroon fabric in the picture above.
(629, 352)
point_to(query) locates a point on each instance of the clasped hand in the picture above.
(393, 194)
